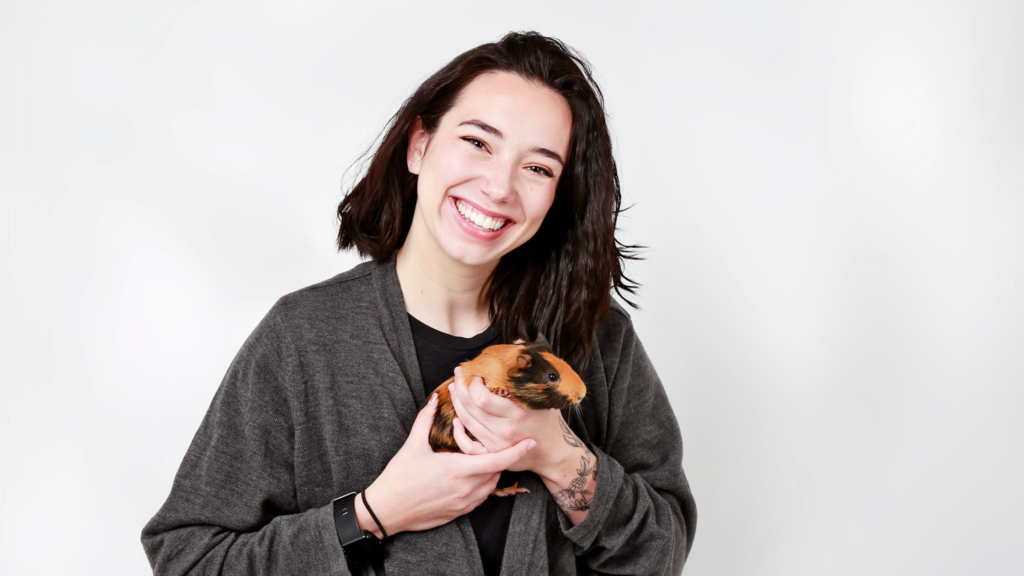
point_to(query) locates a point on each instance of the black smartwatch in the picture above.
(361, 546)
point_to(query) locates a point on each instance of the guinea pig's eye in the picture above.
(552, 376)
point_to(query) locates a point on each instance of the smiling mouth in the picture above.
(474, 217)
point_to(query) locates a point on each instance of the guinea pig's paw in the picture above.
(502, 392)
(509, 491)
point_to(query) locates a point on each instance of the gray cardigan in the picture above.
(324, 393)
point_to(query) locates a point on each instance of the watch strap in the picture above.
(345, 521)
(360, 546)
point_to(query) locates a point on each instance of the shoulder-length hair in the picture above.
(558, 283)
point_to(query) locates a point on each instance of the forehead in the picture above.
(524, 111)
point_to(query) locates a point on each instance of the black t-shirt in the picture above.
(439, 354)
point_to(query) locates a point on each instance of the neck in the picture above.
(440, 292)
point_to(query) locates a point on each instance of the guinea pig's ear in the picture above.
(523, 361)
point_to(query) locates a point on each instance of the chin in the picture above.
(476, 260)
(473, 256)
(470, 254)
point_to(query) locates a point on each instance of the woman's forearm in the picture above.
(573, 480)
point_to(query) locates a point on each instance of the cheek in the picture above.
(448, 166)
(457, 165)
(454, 166)
(538, 202)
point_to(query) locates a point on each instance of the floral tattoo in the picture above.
(576, 497)
(570, 436)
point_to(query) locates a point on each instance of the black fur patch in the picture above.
(532, 385)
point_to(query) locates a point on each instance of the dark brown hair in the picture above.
(557, 283)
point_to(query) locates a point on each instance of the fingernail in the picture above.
(531, 445)
(433, 398)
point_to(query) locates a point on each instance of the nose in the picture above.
(500, 183)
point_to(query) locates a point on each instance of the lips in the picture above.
(489, 222)
(473, 212)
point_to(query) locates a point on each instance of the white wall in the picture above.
(832, 194)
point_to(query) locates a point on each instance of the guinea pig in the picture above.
(529, 375)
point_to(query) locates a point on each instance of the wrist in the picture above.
(366, 520)
(573, 485)
(559, 467)
(360, 546)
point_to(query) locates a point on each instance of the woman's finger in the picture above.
(489, 402)
(487, 487)
(424, 420)
(469, 414)
(465, 443)
(472, 401)
(498, 461)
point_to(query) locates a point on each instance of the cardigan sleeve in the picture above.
(233, 506)
(642, 516)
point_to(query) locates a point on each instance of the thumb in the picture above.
(498, 461)
(425, 419)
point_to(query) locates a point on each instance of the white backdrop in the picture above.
(832, 194)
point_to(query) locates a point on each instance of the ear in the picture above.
(523, 361)
(417, 146)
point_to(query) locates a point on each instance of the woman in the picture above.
(489, 213)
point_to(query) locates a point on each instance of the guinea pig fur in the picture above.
(529, 375)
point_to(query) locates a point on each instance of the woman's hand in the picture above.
(498, 423)
(420, 489)
(564, 463)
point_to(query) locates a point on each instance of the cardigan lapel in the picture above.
(395, 322)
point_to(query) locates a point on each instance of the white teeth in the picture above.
(485, 222)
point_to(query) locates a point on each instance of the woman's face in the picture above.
(488, 174)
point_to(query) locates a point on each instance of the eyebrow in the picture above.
(495, 132)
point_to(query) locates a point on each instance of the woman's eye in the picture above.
(475, 142)
(540, 170)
